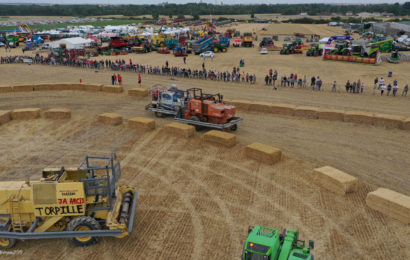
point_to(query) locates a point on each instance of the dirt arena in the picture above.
(196, 200)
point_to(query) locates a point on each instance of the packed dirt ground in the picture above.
(196, 200)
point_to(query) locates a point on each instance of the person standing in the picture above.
(184, 59)
(304, 81)
(388, 89)
(119, 79)
(115, 79)
(405, 90)
(139, 79)
(362, 88)
(395, 89)
(112, 79)
(382, 88)
(381, 82)
(334, 86)
(312, 82)
(347, 86)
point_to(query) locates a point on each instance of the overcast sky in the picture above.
(205, 1)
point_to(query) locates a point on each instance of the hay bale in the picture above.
(25, 113)
(46, 86)
(264, 153)
(58, 113)
(260, 107)
(307, 112)
(335, 180)
(5, 116)
(138, 92)
(220, 137)
(92, 87)
(141, 123)
(21, 88)
(359, 117)
(331, 114)
(6, 89)
(388, 121)
(179, 129)
(75, 86)
(240, 104)
(390, 203)
(283, 109)
(110, 119)
(112, 89)
(406, 124)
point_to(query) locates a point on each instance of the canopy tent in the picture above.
(72, 43)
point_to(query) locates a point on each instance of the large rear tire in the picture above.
(6, 243)
(83, 223)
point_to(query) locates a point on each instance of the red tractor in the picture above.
(210, 109)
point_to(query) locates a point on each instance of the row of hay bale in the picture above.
(135, 92)
(137, 123)
(33, 113)
(386, 201)
(360, 117)
(62, 86)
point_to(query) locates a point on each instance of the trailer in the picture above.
(202, 45)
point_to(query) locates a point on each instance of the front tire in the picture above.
(83, 223)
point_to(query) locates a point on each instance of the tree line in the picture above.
(196, 9)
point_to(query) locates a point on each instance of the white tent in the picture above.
(72, 43)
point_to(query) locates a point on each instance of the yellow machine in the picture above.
(158, 40)
(82, 204)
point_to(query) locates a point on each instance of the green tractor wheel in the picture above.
(224, 50)
(216, 49)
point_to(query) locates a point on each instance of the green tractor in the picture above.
(341, 48)
(266, 243)
(394, 57)
(290, 49)
(218, 47)
(315, 50)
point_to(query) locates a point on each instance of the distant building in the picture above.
(303, 14)
(349, 13)
(392, 28)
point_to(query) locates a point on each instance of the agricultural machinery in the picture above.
(341, 48)
(163, 50)
(315, 50)
(266, 41)
(82, 203)
(247, 40)
(194, 107)
(180, 51)
(290, 48)
(267, 243)
(202, 45)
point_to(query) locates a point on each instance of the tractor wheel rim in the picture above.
(83, 228)
(4, 242)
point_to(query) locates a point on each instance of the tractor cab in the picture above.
(208, 107)
(168, 99)
(265, 243)
(262, 243)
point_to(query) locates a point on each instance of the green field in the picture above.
(63, 25)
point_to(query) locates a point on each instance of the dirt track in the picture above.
(196, 199)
